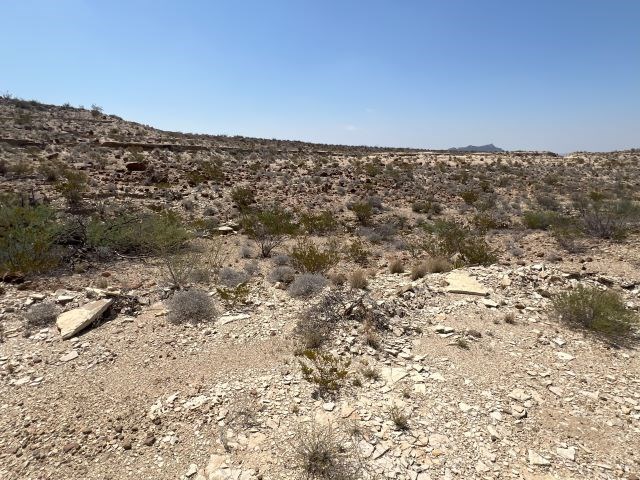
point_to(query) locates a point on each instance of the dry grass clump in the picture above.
(321, 454)
(430, 265)
(358, 279)
(396, 266)
(192, 306)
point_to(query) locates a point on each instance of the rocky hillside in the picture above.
(206, 307)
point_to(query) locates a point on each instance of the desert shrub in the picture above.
(363, 212)
(427, 207)
(308, 257)
(547, 202)
(320, 454)
(371, 373)
(540, 219)
(137, 234)
(307, 285)
(72, 188)
(449, 238)
(324, 370)
(233, 296)
(318, 223)
(251, 268)
(283, 274)
(358, 252)
(317, 322)
(50, 171)
(243, 198)
(469, 196)
(358, 279)
(486, 221)
(568, 236)
(606, 218)
(228, 277)
(269, 228)
(281, 260)
(41, 315)
(396, 265)
(602, 311)
(192, 306)
(28, 236)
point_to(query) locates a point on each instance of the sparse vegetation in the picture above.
(308, 257)
(358, 279)
(269, 228)
(307, 285)
(193, 306)
(321, 454)
(28, 238)
(41, 315)
(324, 370)
(601, 311)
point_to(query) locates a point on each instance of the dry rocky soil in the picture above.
(470, 374)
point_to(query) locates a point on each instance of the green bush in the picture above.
(72, 188)
(540, 219)
(28, 236)
(323, 369)
(269, 228)
(426, 206)
(308, 257)
(148, 234)
(469, 196)
(358, 252)
(602, 311)
(448, 239)
(243, 198)
(318, 223)
(363, 212)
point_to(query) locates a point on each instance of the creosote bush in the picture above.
(449, 239)
(319, 223)
(363, 212)
(602, 311)
(308, 257)
(194, 306)
(325, 370)
(28, 237)
(269, 228)
(137, 234)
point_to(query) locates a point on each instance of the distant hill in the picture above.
(490, 148)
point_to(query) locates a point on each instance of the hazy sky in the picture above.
(561, 75)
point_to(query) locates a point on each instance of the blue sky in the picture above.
(562, 75)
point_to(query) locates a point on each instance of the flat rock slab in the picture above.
(72, 322)
(460, 282)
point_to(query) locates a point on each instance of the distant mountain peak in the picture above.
(489, 148)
